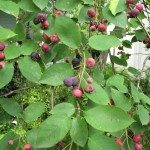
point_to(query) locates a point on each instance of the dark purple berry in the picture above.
(42, 17)
(36, 21)
(75, 81)
(35, 56)
(76, 63)
(68, 82)
(148, 45)
(134, 12)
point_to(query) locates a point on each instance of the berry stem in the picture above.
(52, 97)
(79, 109)
(127, 139)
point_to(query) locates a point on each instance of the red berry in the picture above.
(145, 41)
(45, 47)
(45, 36)
(58, 12)
(45, 25)
(119, 142)
(2, 46)
(2, 65)
(94, 23)
(130, 114)
(59, 144)
(139, 7)
(138, 146)
(10, 142)
(137, 138)
(89, 80)
(112, 102)
(2, 56)
(102, 27)
(148, 45)
(27, 147)
(90, 62)
(89, 88)
(91, 12)
(42, 17)
(92, 28)
(148, 124)
(129, 1)
(77, 92)
(54, 38)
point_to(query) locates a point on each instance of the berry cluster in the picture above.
(136, 139)
(2, 55)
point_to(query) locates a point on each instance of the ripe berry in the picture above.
(102, 27)
(90, 62)
(145, 41)
(91, 12)
(27, 147)
(139, 7)
(75, 81)
(134, 12)
(89, 88)
(59, 144)
(2, 46)
(138, 146)
(35, 56)
(112, 102)
(137, 138)
(42, 17)
(120, 47)
(2, 65)
(2, 56)
(129, 1)
(54, 38)
(76, 63)
(148, 45)
(67, 60)
(68, 82)
(45, 36)
(89, 80)
(92, 28)
(58, 12)
(45, 47)
(45, 25)
(148, 124)
(36, 21)
(94, 23)
(119, 142)
(10, 142)
(77, 92)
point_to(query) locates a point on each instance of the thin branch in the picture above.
(127, 139)
(79, 109)
(112, 63)
(52, 101)
(140, 76)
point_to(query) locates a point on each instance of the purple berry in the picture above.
(68, 82)
(75, 81)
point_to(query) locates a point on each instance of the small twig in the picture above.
(52, 97)
(127, 139)
(70, 145)
(140, 76)
(79, 109)
(112, 63)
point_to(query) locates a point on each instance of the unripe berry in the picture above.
(68, 82)
(45, 36)
(27, 147)
(102, 27)
(89, 88)
(35, 56)
(119, 142)
(90, 62)
(2, 65)
(45, 48)
(58, 12)
(77, 92)
(45, 25)
(54, 38)
(2, 46)
(139, 7)
(10, 142)
(2, 56)
(91, 12)
(138, 146)
(89, 80)
(137, 138)
(42, 17)
(129, 1)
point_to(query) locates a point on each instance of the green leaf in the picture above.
(127, 44)
(101, 142)
(20, 31)
(28, 47)
(9, 7)
(135, 93)
(65, 108)
(134, 23)
(91, 2)
(67, 5)
(143, 115)
(6, 34)
(12, 51)
(55, 74)
(98, 96)
(79, 131)
(145, 98)
(51, 131)
(115, 118)
(117, 6)
(119, 20)
(83, 17)
(119, 61)
(68, 31)
(33, 111)
(10, 106)
(134, 71)
(40, 4)
(30, 69)
(28, 6)
(104, 42)
(121, 100)
(140, 35)
(117, 81)
(6, 74)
